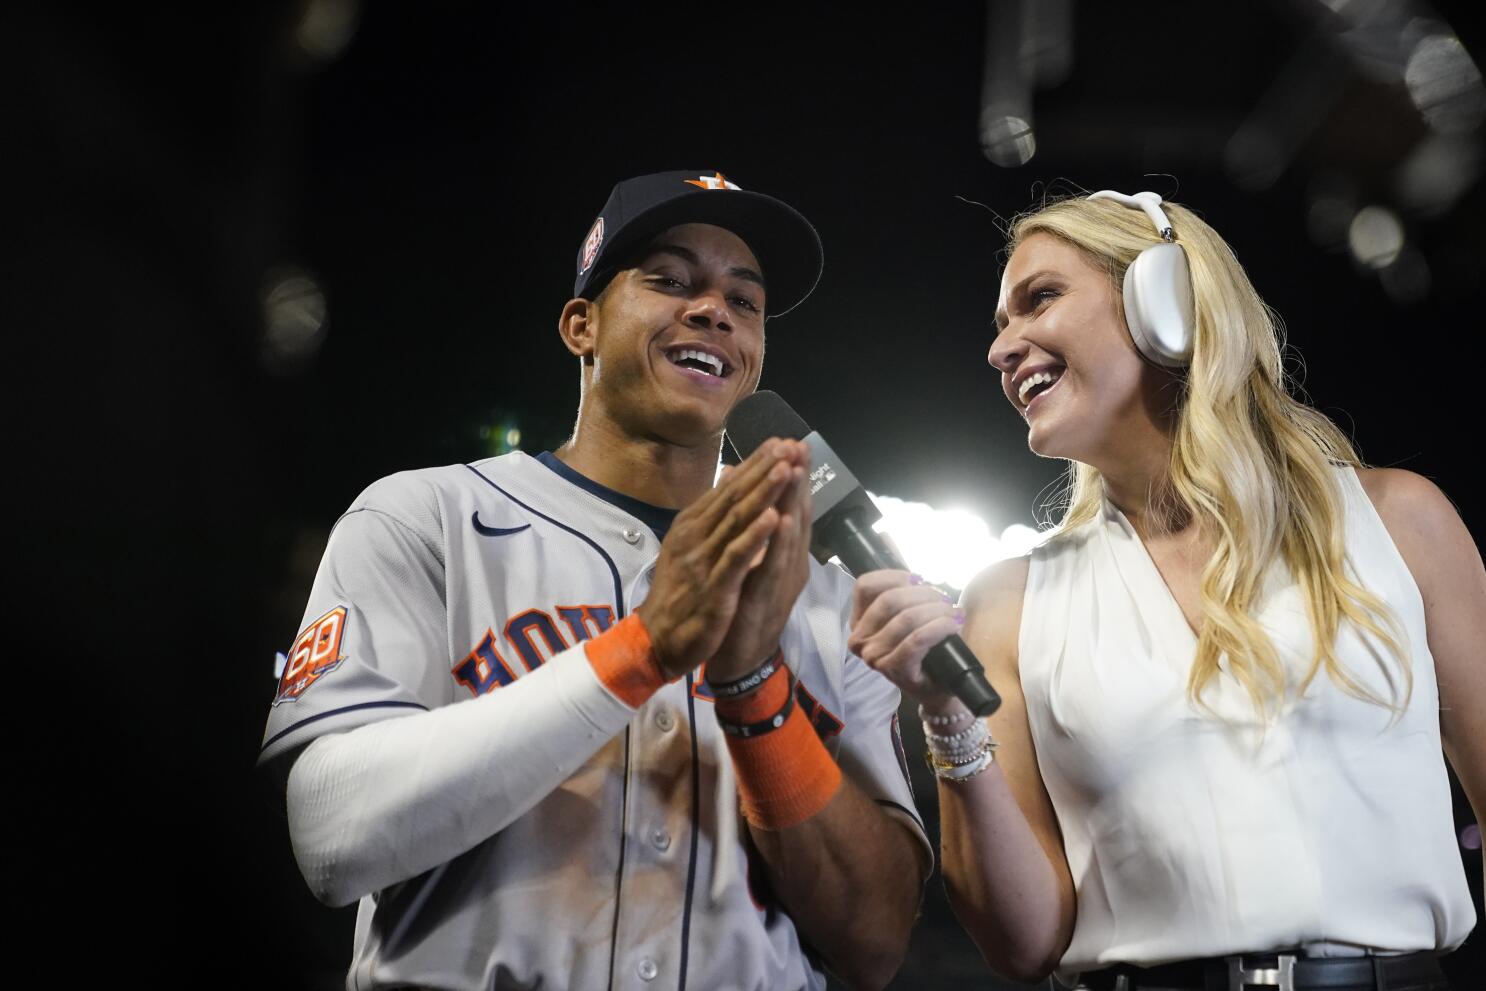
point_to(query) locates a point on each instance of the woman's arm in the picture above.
(1004, 864)
(1446, 565)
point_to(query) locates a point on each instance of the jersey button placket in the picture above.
(631, 536)
(664, 721)
(647, 969)
(660, 839)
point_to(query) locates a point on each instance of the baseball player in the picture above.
(501, 734)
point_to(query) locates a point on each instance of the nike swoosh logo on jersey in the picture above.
(494, 531)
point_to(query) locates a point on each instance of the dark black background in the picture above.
(435, 180)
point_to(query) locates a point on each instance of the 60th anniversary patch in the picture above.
(316, 652)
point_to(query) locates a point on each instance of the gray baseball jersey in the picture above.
(442, 586)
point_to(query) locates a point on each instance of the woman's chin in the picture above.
(1048, 444)
(1044, 442)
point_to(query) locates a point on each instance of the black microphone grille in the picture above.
(759, 417)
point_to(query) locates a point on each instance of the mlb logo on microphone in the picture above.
(821, 476)
(316, 653)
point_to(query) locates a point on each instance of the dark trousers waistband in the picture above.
(1278, 972)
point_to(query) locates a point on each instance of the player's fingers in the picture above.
(797, 496)
(735, 559)
(698, 519)
(691, 550)
(710, 508)
(763, 495)
(724, 508)
(788, 541)
(800, 527)
(807, 514)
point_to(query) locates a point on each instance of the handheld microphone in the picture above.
(842, 514)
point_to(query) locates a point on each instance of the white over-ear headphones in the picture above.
(1158, 289)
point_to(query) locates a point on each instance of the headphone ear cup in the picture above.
(1158, 305)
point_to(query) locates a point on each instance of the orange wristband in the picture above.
(786, 775)
(624, 660)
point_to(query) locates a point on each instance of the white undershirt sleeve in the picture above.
(390, 800)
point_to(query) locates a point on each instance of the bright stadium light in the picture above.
(947, 546)
(1019, 538)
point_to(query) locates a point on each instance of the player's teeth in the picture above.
(711, 361)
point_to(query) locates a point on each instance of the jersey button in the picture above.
(660, 839)
(632, 537)
(665, 721)
(647, 969)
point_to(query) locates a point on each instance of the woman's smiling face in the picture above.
(1065, 356)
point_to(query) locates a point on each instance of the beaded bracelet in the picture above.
(939, 762)
(966, 744)
(949, 720)
(968, 768)
(954, 758)
(973, 730)
(969, 771)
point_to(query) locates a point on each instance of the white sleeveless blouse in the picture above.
(1190, 835)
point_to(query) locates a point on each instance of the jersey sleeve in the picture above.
(871, 746)
(373, 643)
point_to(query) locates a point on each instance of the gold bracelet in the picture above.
(983, 755)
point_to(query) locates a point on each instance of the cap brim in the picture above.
(784, 242)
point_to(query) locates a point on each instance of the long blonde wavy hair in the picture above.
(1253, 466)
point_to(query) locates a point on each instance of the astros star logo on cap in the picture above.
(714, 181)
(640, 208)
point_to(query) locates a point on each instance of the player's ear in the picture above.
(576, 327)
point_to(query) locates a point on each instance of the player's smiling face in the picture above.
(680, 337)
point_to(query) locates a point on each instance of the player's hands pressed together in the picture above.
(895, 618)
(707, 554)
(774, 583)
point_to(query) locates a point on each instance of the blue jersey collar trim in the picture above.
(657, 518)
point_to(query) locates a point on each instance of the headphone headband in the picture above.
(1145, 200)
(1158, 289)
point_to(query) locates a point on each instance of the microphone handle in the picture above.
(950, 663)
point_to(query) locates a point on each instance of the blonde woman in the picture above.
(1229, 673)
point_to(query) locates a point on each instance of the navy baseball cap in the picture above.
(783, 241)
